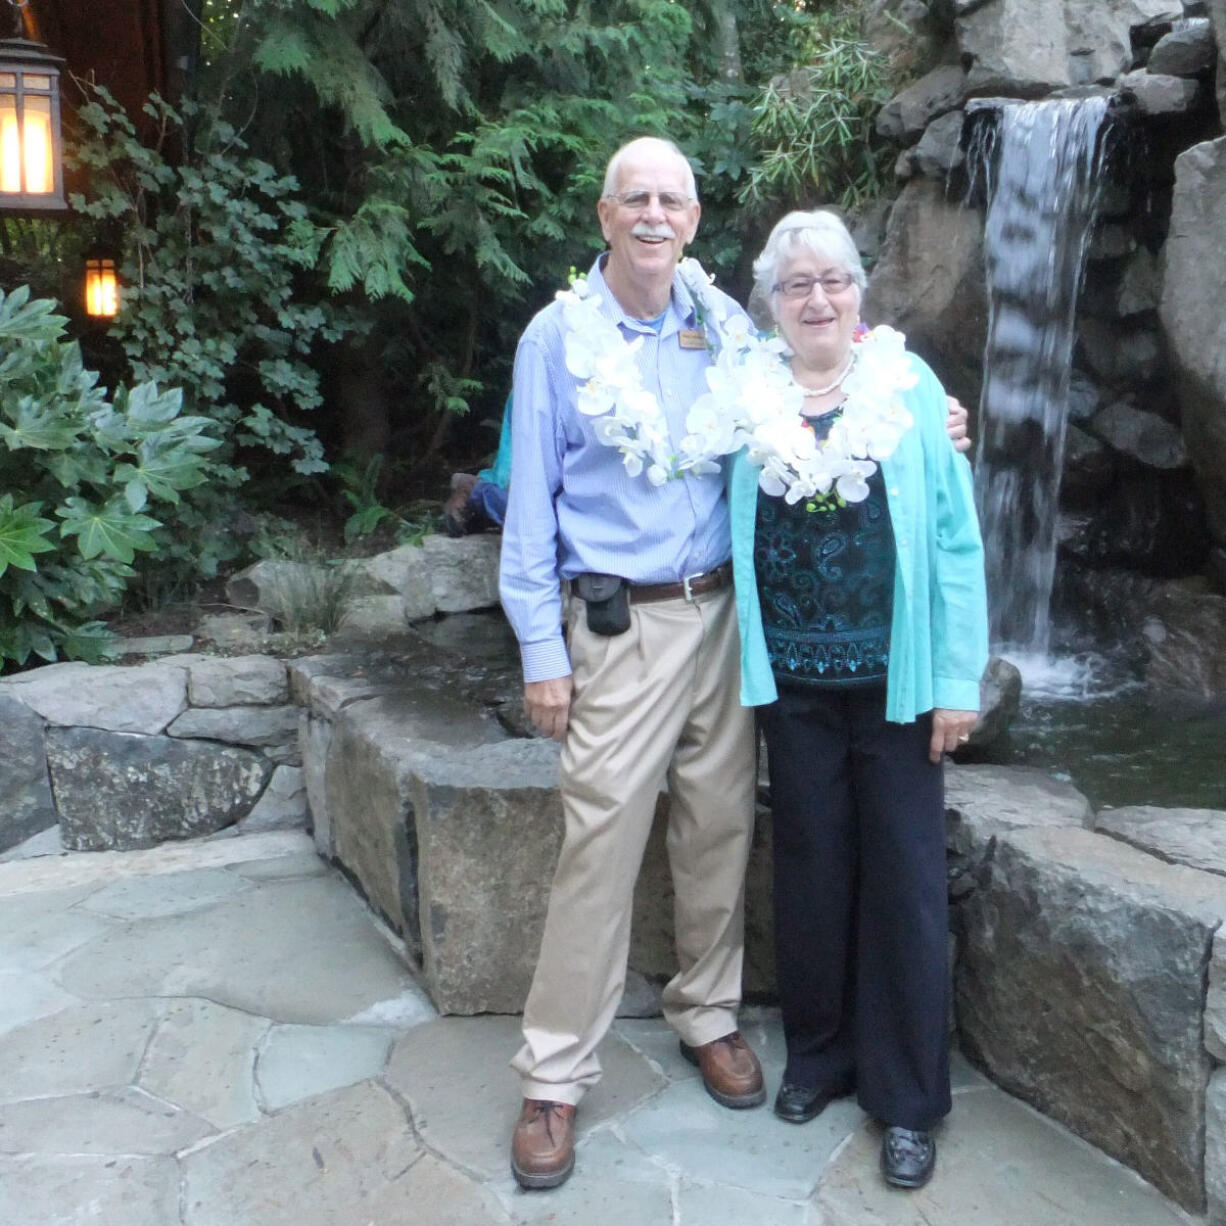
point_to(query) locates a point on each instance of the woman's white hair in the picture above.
(634, 146)
(818, 232)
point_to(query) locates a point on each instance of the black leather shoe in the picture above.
(799, 1104)
(908, 1157)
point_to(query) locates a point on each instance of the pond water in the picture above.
(1111, 739)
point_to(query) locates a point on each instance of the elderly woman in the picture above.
(860, 592)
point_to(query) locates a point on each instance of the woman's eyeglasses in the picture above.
(801, 287)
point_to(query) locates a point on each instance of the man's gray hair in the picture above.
(615, 162)
(818, 232)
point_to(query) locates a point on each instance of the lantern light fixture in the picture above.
(31, 143)
(101, 287)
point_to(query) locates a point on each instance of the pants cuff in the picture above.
(553, 1093)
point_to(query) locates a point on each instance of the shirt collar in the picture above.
(681, 314)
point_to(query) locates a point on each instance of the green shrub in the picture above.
(87, 484)
(218, 297)
(814, 128)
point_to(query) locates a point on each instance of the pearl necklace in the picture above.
(822, 391)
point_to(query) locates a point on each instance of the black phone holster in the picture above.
(607, 599)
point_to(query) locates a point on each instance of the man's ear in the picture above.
(692, 223)
(603, 210)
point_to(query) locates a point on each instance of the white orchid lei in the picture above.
(755, 389)
(629, 417)
(752, 402)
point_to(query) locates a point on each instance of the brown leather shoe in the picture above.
(543, 1147)
(730, 1070)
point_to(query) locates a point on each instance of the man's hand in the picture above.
(547, 705)
(949, 730)
(955, 424)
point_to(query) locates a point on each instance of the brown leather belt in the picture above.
(688, 588)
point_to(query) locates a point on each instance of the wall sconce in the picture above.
(101, 288)
(31, 145)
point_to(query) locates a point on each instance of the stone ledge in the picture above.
(125, 757)
(1081, 987)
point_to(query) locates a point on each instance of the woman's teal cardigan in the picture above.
(939, 630)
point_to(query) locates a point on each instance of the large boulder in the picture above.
(118, 791)
(1146, 437)
(1160, 93)
(488, 823)
(1217, 19)
(28, 806)
(1188, 51)
(1027, 48)
(143, 699)
(929, 284)
(373, 748)
(908, 113)
(1185, 632)
(463, 571)
(1080, 988)
(1195, 335)
(939, 151)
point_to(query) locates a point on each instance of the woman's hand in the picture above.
(949, 730)
(955, 424)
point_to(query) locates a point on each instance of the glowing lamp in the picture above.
(101, 288)
(31, 147)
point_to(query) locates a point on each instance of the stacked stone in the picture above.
(391, 590)
(129, 757)
(1081, 979)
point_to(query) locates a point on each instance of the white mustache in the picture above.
(644, 229)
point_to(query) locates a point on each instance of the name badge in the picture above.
(692, 338)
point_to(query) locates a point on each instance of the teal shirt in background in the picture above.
(939, 626)
(499, 473)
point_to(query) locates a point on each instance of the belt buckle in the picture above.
(686, 590)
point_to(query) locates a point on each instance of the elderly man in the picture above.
(642, 686)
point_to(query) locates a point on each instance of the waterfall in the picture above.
(1042, 164)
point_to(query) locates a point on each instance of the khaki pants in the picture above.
(657, 703)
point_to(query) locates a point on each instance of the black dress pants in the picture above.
(861, 906)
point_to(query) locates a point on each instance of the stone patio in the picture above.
(219, 1033)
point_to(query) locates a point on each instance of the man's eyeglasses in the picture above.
(670, 202)
(801, 287)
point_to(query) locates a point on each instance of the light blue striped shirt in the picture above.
(572, 506)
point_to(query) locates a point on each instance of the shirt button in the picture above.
(894, 491)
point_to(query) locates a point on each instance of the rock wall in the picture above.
(125, 757)
(450, 824)
(1192, 280)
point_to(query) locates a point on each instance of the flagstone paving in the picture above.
(221, 1034)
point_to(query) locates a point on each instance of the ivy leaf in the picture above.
(135, 494)
(147, 406)
(110, 531)
(23, 533)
